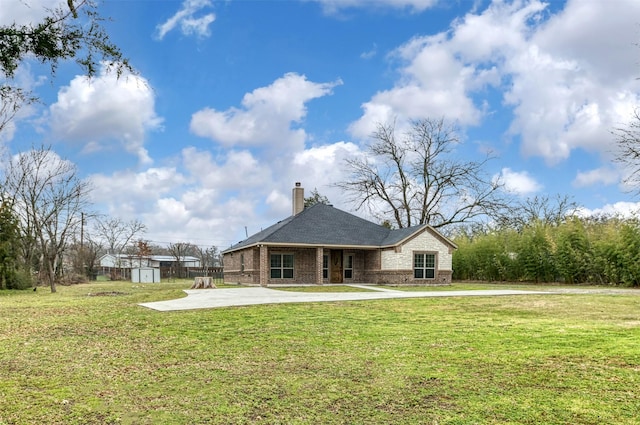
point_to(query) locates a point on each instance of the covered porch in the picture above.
(317, 265)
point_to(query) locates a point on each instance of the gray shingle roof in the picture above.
(325, 225)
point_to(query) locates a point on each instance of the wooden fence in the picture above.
(167, 273)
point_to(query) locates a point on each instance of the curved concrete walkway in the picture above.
(227, 297)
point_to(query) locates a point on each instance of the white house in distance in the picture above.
(120, 266)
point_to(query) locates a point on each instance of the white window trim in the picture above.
(424, 269)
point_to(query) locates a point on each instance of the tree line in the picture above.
(577, 250)
(49, 235)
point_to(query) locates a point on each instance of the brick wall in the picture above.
(405, 277)
(397, 264)
(304, 265)
(319, 256)
(235, 273)
(307, 268)
(402, 259)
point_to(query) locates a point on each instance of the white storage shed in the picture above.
(145, 275)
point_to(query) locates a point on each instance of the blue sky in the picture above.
(235, 101)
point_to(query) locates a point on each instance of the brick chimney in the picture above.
(298, 198)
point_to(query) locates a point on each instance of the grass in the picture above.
(71, 358)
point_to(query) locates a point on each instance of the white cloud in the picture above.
(189, 20)
(497, 32)
(312, 164)
(54, 163)
(370, 53)
(333, 6)
(133, 191)
(518, 183)
(601, 38)
(24, 80)
(241, 174)
(7, 132)
(266, 117)
(433, 84)
(172, 205)
(603, 175)
(325, 155)
(576, 81)
(232, 171)
(440, 74)
(320, 167)
(224, 193)
(280, 202)
(192, 218)
(209, 199)
(23, 12)
(569, 77)
(179, 205)
(618, 209)
(106, 109)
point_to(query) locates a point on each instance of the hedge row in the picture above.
(605, 251)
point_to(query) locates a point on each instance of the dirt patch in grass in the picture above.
(107, 294)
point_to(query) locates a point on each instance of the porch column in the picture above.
(264, 265)
(319, 255)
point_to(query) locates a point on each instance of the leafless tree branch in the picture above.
(417, 179)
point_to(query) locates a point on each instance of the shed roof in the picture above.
(170, 258)
(151, 257)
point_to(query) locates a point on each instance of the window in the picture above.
(348, 267)
(424, 266)
(325, 266)
(242, 262)
(281, 266)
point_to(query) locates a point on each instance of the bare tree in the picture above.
(179, 250)
(214, 256)
(117, 233)
(416, 179)
(11, 100)
(209, 257)
(544, 209)
(84, 257)
(49, 198)
(628, 141)
(90, 251)
(205, 260)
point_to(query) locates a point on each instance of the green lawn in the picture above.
(75, 358)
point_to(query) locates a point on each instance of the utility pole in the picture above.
(82, 256)
(81, 230)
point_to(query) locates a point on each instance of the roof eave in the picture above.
(304, 245)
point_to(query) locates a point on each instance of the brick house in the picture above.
(322, 244)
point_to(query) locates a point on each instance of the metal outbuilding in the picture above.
(145, 275)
